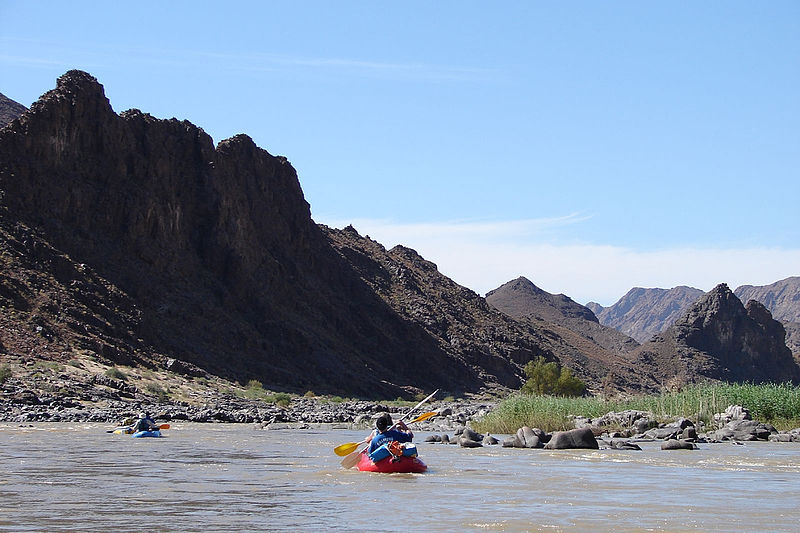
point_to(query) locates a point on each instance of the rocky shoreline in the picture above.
(297, 414)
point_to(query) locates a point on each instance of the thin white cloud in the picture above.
(409, 71)
(484, 255)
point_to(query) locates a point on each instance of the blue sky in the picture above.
(589, 146)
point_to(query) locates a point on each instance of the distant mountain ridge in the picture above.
(642, 312)
(9, 110)
(782, 298)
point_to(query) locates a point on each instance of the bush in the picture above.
(5, 373)
(156, 390)
(548, 379)
(116, 373)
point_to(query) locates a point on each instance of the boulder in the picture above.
(624, 445)
(488, 440)
(745, 430)
(573, 439)
(675, 444)
(665, 433)
(465, 442)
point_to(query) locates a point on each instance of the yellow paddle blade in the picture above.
(346, 449)
(352, 459)
(163, 426)
(424, 416)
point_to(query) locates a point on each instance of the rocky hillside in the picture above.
(782, 298)
(719, 338)
(9, 110)
(642, 313)
(472, 328)
(522, 300)
(134, 240)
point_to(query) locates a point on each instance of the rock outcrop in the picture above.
(720, 339)
(782, 298)
(642, 313)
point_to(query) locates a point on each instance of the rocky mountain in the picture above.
(642, 313)
(9, 110)
(520, 298)
(133, 240)
(782, 298)
(600, 351)
(719, 338)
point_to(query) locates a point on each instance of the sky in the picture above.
(591, 147)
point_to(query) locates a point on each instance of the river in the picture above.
(235, 477)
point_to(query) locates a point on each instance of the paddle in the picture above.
(128, 428)
(347, 448)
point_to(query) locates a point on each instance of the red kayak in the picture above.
(387, 465)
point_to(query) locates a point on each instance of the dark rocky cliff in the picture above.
(719, 338)
(782, 298)
(210, 249)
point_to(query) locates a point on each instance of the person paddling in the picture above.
(144, 423)
(385, 433)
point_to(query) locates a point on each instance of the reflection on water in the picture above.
(77, 477)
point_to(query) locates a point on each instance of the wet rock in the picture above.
(465, 442)
(573, 439)
(663, 433)
(675, 444)
(488, 440)
(624, 445)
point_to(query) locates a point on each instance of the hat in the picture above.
(142, 415)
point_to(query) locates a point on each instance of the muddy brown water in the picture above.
(230, 477)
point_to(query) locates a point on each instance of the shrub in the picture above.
(115, 373)
(5, 373)
(551, 380)
(156, 390)
(281, 398)
(254, 384)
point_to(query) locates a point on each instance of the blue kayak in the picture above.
(141, 434)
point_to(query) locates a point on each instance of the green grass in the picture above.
(778, 404)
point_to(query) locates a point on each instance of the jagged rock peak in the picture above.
(719, 300)
(71, 86)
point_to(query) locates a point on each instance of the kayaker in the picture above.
(385, 432)
(144, 423)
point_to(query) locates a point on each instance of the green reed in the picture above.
(778, 404)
